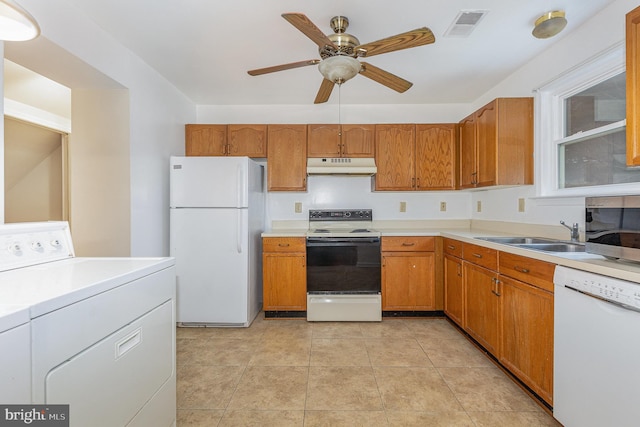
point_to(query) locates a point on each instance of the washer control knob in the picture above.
(55, 243)
(14, 248)
(37, 246)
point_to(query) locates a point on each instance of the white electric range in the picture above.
(95, 333)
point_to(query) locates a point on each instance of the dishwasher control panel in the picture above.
(32, 243)
(607, 288)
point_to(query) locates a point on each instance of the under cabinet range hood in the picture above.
(341, 166)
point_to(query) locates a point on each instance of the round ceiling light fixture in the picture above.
(339, 68)
(16, 24)
(549, 24)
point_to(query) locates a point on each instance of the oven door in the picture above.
(338, 265)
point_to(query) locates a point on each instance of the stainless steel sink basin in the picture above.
(555, 247)
(517, 240)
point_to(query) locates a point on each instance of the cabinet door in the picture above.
(247, 140)
(482, 306)
(453, 289)
(358, 140)
(323, 140)
(486, 145)
(287, 158)
(468, 169)
(633, 89)
(408, 281)
(395, 157)
(284, 281)
(527, 335)
(205, 140)
(436, 157)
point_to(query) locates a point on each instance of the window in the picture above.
(581, 130)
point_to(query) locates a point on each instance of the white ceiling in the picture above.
(205, 47)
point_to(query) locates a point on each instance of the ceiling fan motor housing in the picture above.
(345, 42)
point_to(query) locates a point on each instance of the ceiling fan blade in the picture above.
(325, 91)
(283, 67)
(385, 78)
(415, 38)
(309, 29)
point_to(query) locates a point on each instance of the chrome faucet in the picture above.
(575, 233)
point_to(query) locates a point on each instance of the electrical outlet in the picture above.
(478, 206)
(298, 207)
(443, 206)
(521, 204)
(403, 206)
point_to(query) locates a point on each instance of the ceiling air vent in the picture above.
(465, 23)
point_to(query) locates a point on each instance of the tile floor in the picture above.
(400, 372)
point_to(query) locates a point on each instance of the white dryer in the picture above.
(102, 329)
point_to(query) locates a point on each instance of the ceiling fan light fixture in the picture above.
(339, 68)
(549, 24)
(16, 24)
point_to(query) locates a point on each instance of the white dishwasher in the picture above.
(102, 330)
(596, 350)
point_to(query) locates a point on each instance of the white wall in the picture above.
(73, 51)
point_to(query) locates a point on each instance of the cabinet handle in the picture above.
(496, 283)
(418, 182)
(521, 269)
(477, 255)
(451, 247)
(283, 245)
(408, 244)
(474, 179)
(459, 270)
(413, 182)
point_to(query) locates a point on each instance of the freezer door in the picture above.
(212, 265)
(217, 182)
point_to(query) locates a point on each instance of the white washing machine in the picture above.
(102, 330)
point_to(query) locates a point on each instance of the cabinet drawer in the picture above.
(528, 270)
(452, 247)
(485, 257)
(408, 244)
(284, 244)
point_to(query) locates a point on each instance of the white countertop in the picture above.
(457, 230)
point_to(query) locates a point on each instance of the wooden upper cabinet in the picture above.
(395, 157)
(496, 144)
(436, 157)
(335, 140)
(226, 140)
(633, 87)
(205, 140)
(247, 140)
(358, 140)
(287, 158)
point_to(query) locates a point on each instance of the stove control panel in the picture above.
(341, 215)
(31, 243)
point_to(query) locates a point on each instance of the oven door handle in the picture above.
(336, 241)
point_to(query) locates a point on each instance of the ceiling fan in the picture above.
(339, 53)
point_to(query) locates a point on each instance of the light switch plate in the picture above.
(443, 206)
(403, 206)
(298, 207)
(521, 204)
(478, 206)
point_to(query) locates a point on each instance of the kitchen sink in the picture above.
(517, 240)
(537, 244)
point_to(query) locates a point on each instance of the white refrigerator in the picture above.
(216, 218)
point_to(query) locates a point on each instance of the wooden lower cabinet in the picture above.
(527, 335)
(284, 280)
(482, 306)
(453, 289)
(408, 274)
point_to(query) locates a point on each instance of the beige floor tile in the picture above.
(345, 419)
(342, 388)
(486, 390)
(433, 419)
(433, 330)
(454, 353)
(206, 387)
(216, 351)
(198, 417)
(284, 328)
(271, 388)
(414, 389)
(282, 351)
(336, 330)
(396, 352)
(389, 328)
(513, 419)
(339, 352)
(262, 419)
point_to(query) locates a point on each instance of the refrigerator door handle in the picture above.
(241, 191)
(239, 232)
